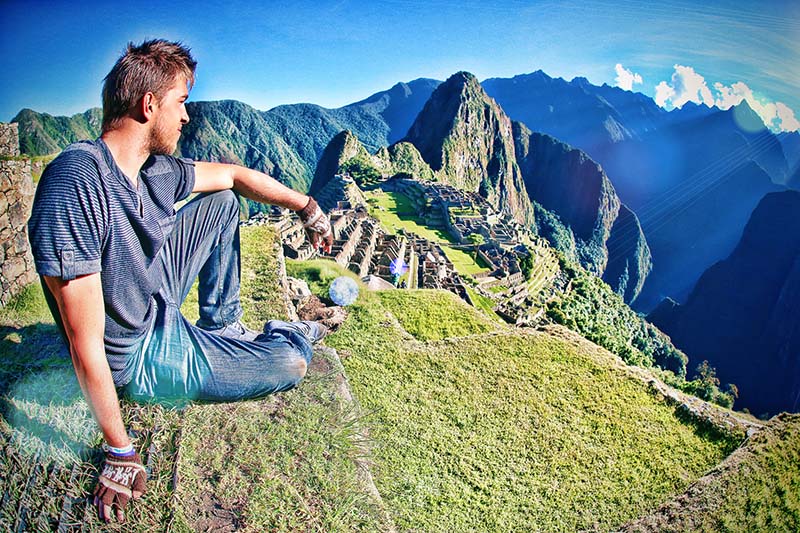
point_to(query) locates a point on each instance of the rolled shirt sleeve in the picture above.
(68, 221)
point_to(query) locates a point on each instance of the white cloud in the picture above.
(664, 94)
(686, 85)
(786, 118)
(689, 86)
(776, 115)
(626, 78)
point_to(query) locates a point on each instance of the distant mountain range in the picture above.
(692, 176)
(744, 314)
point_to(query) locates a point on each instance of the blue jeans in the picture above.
(180, 360)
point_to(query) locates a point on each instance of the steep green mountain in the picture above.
(565, 181)
(43, 134)
(744, 314)
(234, 132)
(467, 140)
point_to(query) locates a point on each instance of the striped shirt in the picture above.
(88, 217)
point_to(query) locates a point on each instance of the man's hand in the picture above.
(122, 478)
(317, 226)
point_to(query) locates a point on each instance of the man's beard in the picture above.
(159, 141)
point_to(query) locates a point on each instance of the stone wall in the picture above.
(16, 198)
(9, 140)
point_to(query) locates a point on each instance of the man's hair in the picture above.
(150, 67)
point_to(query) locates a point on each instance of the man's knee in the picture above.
(298, 369)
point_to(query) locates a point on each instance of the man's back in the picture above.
(88, 217)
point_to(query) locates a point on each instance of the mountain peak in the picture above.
(746, 118)
(580, 81)
(467, 139)
(462, 80)
(343, 146)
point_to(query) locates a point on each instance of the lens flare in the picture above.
(343, 291)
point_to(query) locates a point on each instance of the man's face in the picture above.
(169, 118)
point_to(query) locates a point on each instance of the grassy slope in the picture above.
(279, 464)
(507, 430)
(434, 315)
(498, 429)
(757, 488)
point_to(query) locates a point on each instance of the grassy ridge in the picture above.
(509, 431)
(284, 463)
(505, 430)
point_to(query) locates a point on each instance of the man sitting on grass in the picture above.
(117, 261)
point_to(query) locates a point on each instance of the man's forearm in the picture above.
(247, 182)
(101, 395)
(263, 188)
(80, 304)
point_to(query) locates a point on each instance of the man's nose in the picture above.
(184, 116)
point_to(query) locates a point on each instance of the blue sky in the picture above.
(53, 55)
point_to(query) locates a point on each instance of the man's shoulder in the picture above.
(77, 162)
(158, 164)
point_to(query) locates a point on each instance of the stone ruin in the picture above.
(16, 198)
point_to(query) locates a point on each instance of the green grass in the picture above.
(484, 304)
(393, 203)
(284, 463)
(29, 307)
(287, 463)
(429, 315)
(464, 262)
(50, 441)
(757, 488)
(511, 431)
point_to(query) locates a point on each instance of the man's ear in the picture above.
(148, 105)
